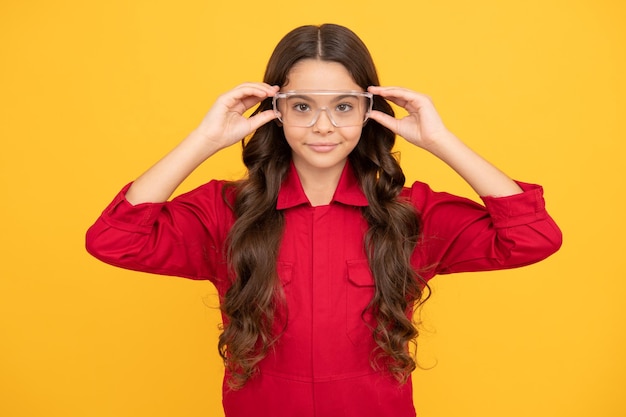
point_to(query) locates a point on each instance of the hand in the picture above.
(225, 123)
(422, 126)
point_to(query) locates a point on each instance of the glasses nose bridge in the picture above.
(319, 111)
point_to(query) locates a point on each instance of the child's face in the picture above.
(321, 146)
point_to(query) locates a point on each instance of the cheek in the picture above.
(352, 135)
(293, 135)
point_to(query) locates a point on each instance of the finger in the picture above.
(402, 97)
(391, 91)
(263, 86)
(247, 96)
(261, 118)
(386, 120)
(251, 90)
(256, 89)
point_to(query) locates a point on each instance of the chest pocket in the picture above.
(361, 287)
(284, 270)
(283, 310)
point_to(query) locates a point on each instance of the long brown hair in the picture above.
(251, 303)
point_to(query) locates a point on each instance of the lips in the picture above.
(322, 147)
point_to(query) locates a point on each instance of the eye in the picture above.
(344, 107)
(301, 107)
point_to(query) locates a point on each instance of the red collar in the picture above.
(348, 190)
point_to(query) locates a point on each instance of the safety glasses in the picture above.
(302, 108)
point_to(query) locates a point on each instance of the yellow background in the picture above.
(92, 93)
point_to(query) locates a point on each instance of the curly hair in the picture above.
(251, 303)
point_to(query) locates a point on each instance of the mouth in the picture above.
(322, 147)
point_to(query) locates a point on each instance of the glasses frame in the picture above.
(290, 93)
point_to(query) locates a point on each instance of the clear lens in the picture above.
(303, 108)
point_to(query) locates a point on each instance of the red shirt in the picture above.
(320, 366)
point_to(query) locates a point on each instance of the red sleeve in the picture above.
(184, 237)
(460, 235)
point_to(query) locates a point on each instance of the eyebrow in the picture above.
(300, 96)
(310, 98)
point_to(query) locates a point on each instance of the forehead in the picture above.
(312, 74)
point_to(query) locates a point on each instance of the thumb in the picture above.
(386, 120)
(262, 118)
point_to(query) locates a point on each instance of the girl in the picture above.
(320, 254)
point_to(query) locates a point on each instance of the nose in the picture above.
(323, 121)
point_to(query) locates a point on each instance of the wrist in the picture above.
(202, 143)
(441, 143)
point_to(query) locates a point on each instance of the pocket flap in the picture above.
(284, 271)
(359, 273)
